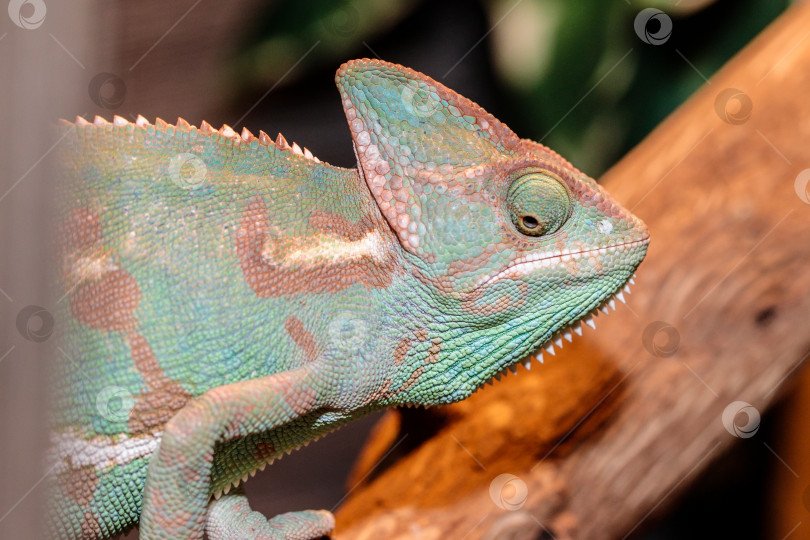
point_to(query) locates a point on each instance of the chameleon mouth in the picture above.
(526, 265)
(567, 332)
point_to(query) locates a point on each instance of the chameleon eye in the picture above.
(538, 204)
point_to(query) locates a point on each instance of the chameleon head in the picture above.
(517, 242)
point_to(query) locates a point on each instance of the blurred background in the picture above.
(573, 74)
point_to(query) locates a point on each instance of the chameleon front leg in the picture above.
(231, 518)
(177, 488)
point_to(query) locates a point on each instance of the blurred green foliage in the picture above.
(570, 73)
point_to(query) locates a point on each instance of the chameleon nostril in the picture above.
(604, 226)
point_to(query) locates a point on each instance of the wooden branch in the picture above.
(609, 431)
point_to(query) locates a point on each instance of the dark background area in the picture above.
(571, 74)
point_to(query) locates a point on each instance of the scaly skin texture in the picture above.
(229, 298)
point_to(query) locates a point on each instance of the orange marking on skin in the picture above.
(302, 337)
(81, 230)
(461, 267)
(412, 379)
(163, 396)
(380, 392)
(434, 350)
(421, 334)
(340, 226)
(90, 526)
(79, 484)
(472, 302)
(272, 278)
(194, 476)
(401, 352)
(107, 303)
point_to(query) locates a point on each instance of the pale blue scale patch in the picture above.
(119, 495)
(96, 380)
(114, 508)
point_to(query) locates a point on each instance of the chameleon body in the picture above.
(229, 298)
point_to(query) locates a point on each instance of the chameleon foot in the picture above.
(230, 518)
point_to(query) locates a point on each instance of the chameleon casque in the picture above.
(230, 298)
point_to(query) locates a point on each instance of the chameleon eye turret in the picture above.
(538, 204)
